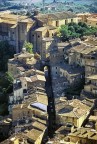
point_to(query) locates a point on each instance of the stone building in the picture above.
(79, 52)
(5, 126)
(39, 34)
(64, 70)
(73, 112)
(35, 110)
(22, 62)
(16, 29)
(56, 19)
(83, 135)
(90, 87)
(72, 74)
(23, 87)
(91, 64)
(59, 52)
(89, 18)
(47, 28)
(35, 135)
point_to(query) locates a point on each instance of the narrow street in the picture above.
(51, 106)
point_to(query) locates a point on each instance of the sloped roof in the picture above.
(40, 106)
(34, 134)
(74, 108)
(86, 133)
(21, 69)
(55, 16)
(38, 77)
(92, 77)
(33, 78)
(38, 125)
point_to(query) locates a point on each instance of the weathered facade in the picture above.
(82, 136)
(48, 26)
(89, 18)
(16, 29)
(22, 62)
(72, 112)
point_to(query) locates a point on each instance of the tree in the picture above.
(6, 52)
(6, 83)
(82, 24)
(6, 87)
(73, 30)
(28, 46)
(63, 33)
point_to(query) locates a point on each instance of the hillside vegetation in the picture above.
(73, 30)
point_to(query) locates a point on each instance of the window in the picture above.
(66, 22)
(38, 36)
(57, 23)
(47, 34)
(71, 20)
(56, 67)
(24, 91)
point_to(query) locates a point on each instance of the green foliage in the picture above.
(73, 30)
(3, 109)
(6, 83)
(6, 87)
(28, 46)
(6, 52)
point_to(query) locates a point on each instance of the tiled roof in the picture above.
(21, 69)
(37, 77)
(33, 78)
(74, 108)
(87, 133)
(45, 27)
(34, 134)
(25, 55)
(55, 16)
(93, 118)
(92, 77)
(39, 126)
(12, 18)
(85, 47)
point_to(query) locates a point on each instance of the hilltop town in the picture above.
(27, 7)
(53, 72)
